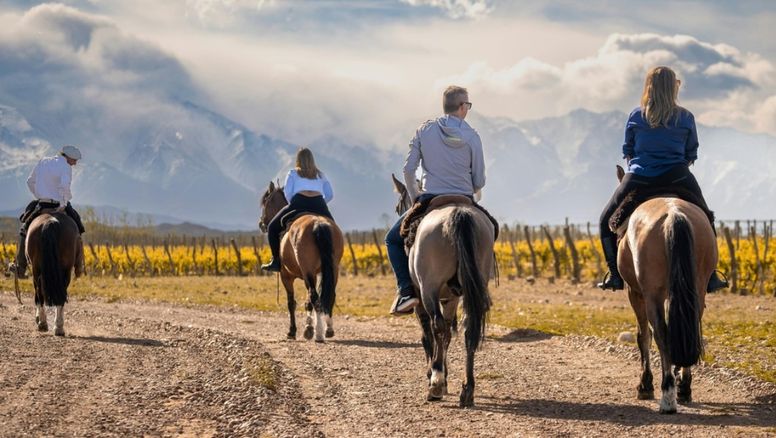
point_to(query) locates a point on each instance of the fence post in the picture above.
(733, 263)
(169, 257)
(555, 255)
(239, 258)
(352, 255)
(129, 260)
(594, 248)
(150, 265)
(96, 259)
(257, 254)
(113, 269)
(534, 269)
(379, 251)
(574, 255)
(515, 256)
(215, 255)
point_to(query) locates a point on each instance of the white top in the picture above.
(296, 184)
(50, 179)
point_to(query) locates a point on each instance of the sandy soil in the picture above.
(134, 369)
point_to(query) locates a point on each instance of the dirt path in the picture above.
(144, 369)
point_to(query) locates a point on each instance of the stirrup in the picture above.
(607, 285)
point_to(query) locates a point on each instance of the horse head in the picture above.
(405, 202)
(272, 201)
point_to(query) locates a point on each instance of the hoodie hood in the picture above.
(450, 129)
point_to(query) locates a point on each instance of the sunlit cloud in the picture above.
(456, 8)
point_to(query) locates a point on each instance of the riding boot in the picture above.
(274, 264)
(613, 281)
(716, 283)
(20, 266)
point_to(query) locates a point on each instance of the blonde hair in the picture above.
(658, 101)
(305, 164)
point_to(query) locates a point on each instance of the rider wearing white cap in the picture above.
(49, 182)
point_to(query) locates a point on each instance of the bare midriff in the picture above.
(309, 193)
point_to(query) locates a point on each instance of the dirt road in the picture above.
(132, 369)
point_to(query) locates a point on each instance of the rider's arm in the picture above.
(288, 187)
(411, 166)
(478, 164)
(691, 147)
(31, 181)
(328, 192)
(628, 146)
(64, 187)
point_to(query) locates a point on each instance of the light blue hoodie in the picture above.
(450, 153)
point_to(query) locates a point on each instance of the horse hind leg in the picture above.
(40, 318)
(427, 339)
(288, 285)
(684, 382)
(59, 325)
(441, 330)
(317, 310)
(668, 384)
(645, 390)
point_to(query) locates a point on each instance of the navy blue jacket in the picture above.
(653, 151)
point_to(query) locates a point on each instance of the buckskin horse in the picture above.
(666, 256)
(451, 260)
(312, 245)
(52, 249)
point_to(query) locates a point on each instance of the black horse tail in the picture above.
(685, 345)
(52, 278)
(474, 288)
(325, 244)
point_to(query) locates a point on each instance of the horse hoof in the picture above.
(42, 327)
(308, 333)
(319, 341)
(684, 399)
(291, 336)
(466, 402)
(432, 398)
(646, 395)
(668, 411)
(59, 332)
(435, 393)
(329, 333)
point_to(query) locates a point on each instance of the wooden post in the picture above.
(379, 251)
(257, 254)
(534, 269)
(113, 269)
(169, 257)
(352, 254)
(515, 256)
(758, 263)
(96, 259)
(194, 265)
(555, 255)
(215, 255)
(733, 262)
(575, 271)
(129, 260)
(239, 258)
(767, 238)
(594, 248)
(150, 265)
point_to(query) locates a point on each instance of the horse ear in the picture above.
(397, 185)
(620, 173)
(271, 186)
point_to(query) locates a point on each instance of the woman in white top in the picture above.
(307, 191)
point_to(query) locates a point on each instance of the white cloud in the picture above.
(456, 8)
(223, 13)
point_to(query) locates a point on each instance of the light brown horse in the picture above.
(666, 257)
(451, 260)
(312, 245)
(52, 250)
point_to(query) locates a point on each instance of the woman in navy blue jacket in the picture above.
(661, 142)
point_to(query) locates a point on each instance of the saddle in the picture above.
(640, 195)
(409, 226)
(35, 209)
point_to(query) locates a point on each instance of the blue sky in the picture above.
(368, 70)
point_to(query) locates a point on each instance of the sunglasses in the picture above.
(468, 105)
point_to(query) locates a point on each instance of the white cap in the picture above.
(71, 152)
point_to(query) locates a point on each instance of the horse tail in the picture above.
(685, 345)
(52, 276)
(323, 240)
(474, 288)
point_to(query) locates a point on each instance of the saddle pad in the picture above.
(443, 200)
(418, 211)
(640, 195)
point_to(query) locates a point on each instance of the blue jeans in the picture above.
(400, 262)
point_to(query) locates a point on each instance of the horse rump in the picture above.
(685, 344)
(474, 290)
(53, 278)
(324, 242)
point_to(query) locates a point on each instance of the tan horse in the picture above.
(312, 245)
(666, 257)
(451, 259)
(52, 250)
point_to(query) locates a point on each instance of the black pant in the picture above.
(677, 176)
(299, 204)
(34, 209)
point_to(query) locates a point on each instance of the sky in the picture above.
(370, 71)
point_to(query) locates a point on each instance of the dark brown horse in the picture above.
(312, 245)
(450, 261)
(52, 249)
(666, 257)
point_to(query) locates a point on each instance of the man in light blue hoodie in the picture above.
(450, 154)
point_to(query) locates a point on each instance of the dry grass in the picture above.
(740, 330)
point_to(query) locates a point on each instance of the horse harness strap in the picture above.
(638, 196)
(419, 210)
